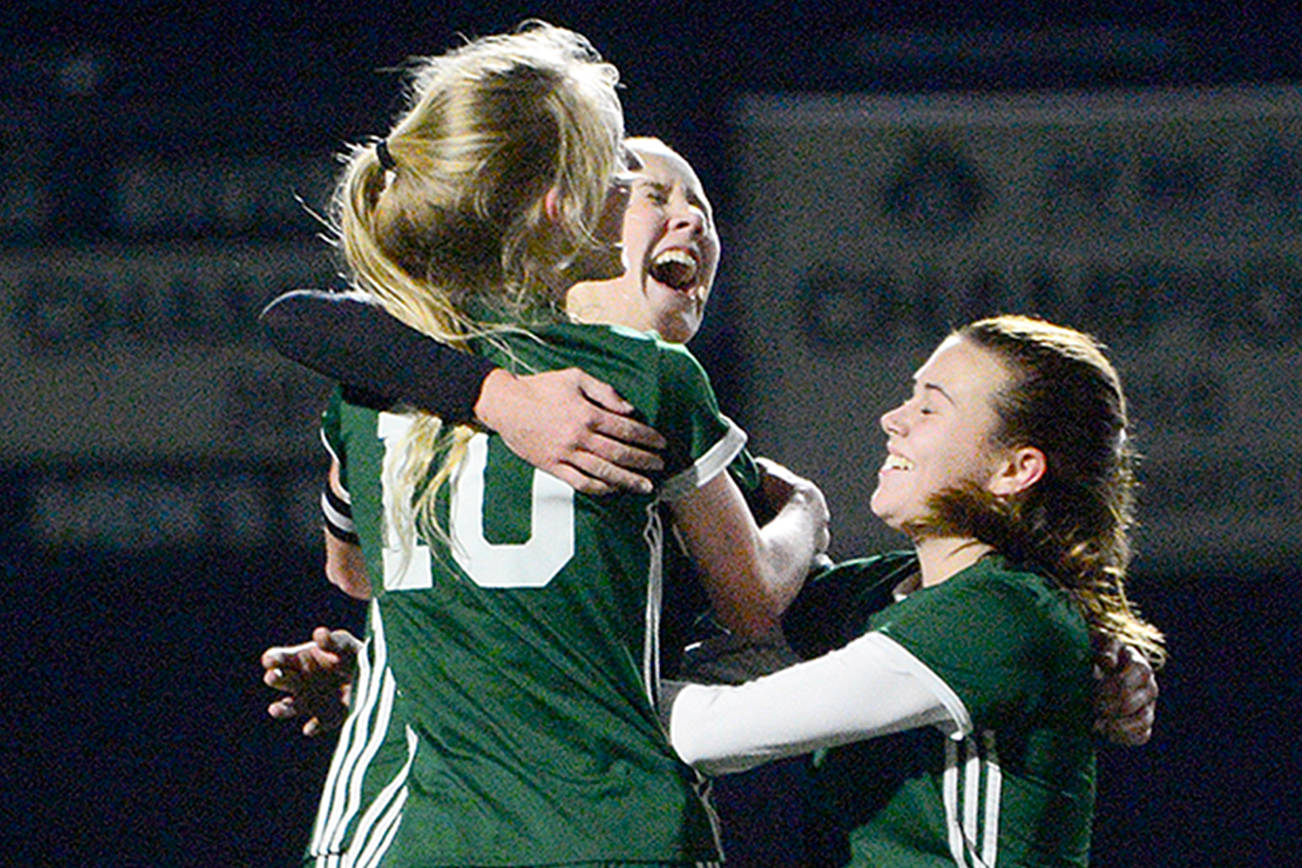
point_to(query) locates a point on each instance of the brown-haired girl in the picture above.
(958, 722)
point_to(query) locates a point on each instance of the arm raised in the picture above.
(752, 572)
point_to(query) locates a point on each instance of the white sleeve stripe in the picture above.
(334, 456)
(335, 518)
(325, 441)
(708, 466)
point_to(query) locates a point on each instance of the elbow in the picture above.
(345, 568)
(359, 588)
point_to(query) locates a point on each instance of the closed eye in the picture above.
(656, 193)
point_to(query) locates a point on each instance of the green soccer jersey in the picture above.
(1015, 786)
(524, 652)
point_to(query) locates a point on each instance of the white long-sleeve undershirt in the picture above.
(870, 687)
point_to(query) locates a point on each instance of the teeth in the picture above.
(897, 462)
(675, 268)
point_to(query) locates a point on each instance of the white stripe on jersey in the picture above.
(715, 460)
(360, 738)
(994, 790)
(333, 516)
(380, 824)
(362, 735)
(976, 818)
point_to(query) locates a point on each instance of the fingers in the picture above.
(283, 655)
(339, 643)
(619, 441)
(823, 539)
(1126, 695)
(1137, 695)
(575, 427)
(601, 393)
(617, 424)
(1108, 652)
(601, 465)
(820, 563)
(1136, 683)
(283, 709)
(1132, 731)
(579, 481)
(773, 468)
(591, 474)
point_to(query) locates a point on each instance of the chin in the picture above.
(675, 332)
(887, 516)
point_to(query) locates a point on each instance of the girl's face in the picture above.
(671, 253)
(942, 436)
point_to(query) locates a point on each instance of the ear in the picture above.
(1017, 472)
(552, 204)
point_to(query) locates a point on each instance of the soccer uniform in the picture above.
(955, 731)
(525, 651)
(362, 799)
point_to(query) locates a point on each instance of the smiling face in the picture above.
(942, 437)
(671, 253)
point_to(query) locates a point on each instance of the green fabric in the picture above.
(1017, 653)
(521, 660)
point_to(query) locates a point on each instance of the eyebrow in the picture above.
(935, 387)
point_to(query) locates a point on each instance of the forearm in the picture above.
(869, 688)
(361, 346)
(788, 544)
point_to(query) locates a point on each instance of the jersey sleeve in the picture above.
(990, 641)
(336, 507)
(702, 441)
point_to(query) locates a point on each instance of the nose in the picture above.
(686, 215)
(892, 421)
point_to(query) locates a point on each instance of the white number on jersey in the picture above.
(403, 571)
(531, 564)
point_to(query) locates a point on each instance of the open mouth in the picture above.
(897, 462)
(676, 269)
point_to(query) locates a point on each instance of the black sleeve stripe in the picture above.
(342, 535)
(340, 503)
(338, 517)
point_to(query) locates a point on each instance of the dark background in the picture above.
(132, 716)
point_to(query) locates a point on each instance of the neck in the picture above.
(583, 304)
(941, 558)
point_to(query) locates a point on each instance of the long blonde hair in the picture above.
(454, 237)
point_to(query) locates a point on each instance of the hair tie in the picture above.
(382, 154)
